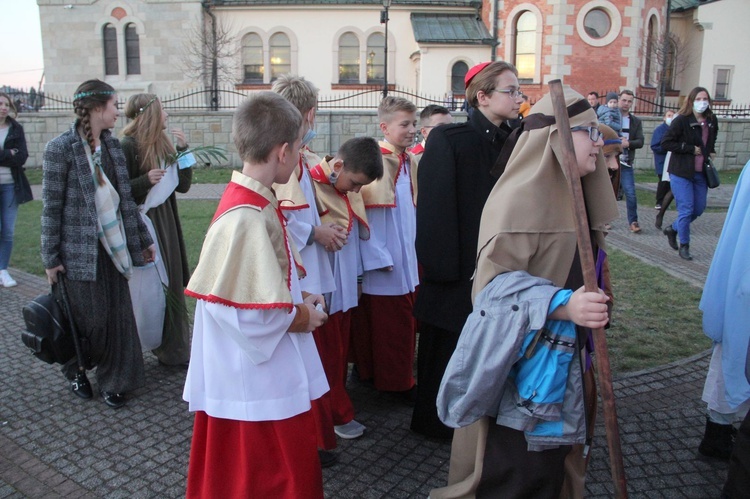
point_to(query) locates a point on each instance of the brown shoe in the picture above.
(635, 228)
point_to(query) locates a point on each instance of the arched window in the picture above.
(281, 55)
(252, 58)
(651, 65)
(109, 37)
(132, 50)
(458, 73)
(670, 62)
(348, 58)
(375, 58)
(524, 46)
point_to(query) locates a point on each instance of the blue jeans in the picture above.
(627, 181)
(690, 195)
(8, 212)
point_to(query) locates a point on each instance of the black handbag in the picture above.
(712, 176)
(50, 333)
(47, 331)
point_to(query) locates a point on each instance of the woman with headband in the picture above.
(92, 234)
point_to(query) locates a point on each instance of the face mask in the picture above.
(333, 177)
(668, 121)
(700, 106)
(309, 136)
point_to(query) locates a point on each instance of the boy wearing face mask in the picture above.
(311, 237)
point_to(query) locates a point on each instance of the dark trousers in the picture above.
(738, 478)
(436, 346)
(662, 188)
(510, 471)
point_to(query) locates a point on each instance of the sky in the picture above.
(21, 42)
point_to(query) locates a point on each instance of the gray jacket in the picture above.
(476, 382)
(69, 219)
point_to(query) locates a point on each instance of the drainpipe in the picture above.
(495, 43)
(214, 62)
(663, 82)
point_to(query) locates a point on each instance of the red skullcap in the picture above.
(473, 72)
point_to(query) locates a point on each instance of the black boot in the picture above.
(81, 386)
(671, 237)
(685, 252)
(718, 440)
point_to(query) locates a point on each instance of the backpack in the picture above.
(48, 333)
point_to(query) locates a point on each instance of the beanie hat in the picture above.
(611, 95)
(612, 143)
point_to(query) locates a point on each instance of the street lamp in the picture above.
(384, 20)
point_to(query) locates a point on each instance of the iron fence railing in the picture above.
(228, 98)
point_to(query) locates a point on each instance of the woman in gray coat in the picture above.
(91, 232)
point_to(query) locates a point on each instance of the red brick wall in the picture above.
(592, 68)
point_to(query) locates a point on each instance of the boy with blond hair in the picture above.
(297, 202)
(384, 338)
(253, 367)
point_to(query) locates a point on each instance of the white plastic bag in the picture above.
(149, 305)
(147, 283)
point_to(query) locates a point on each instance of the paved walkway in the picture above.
(53, 444)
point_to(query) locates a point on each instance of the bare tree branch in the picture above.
(200, 49)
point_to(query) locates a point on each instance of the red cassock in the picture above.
(225, 462)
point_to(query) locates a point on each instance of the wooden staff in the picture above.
(604, 373)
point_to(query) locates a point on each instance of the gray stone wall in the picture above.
(336, 127)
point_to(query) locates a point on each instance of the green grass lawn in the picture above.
(655, 321)
(728, 177)
(222, 175)
(200, 175)
(655, 318)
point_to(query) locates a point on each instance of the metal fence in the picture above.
(228, 98)
(646, 106)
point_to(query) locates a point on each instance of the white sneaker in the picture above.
(6, 279)
(350, 430)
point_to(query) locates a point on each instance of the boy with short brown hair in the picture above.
(252, 376)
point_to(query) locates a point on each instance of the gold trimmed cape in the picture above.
(382, 192)
(290, 195)
(245, 262)
(338, 207)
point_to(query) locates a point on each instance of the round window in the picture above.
(597, 23)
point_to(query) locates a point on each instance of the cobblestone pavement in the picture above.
(53, 444)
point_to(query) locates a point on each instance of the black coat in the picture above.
(683, 135)
(454, 183)
(15, 140)
(635, 137)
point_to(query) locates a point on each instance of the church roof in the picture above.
(449, 28)
(421, 3)
(683, 5)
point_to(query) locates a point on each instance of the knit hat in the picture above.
(473, 72)
(612, 143)
(610, 96)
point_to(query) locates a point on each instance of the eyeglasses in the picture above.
(513, 94)
(594, 133)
